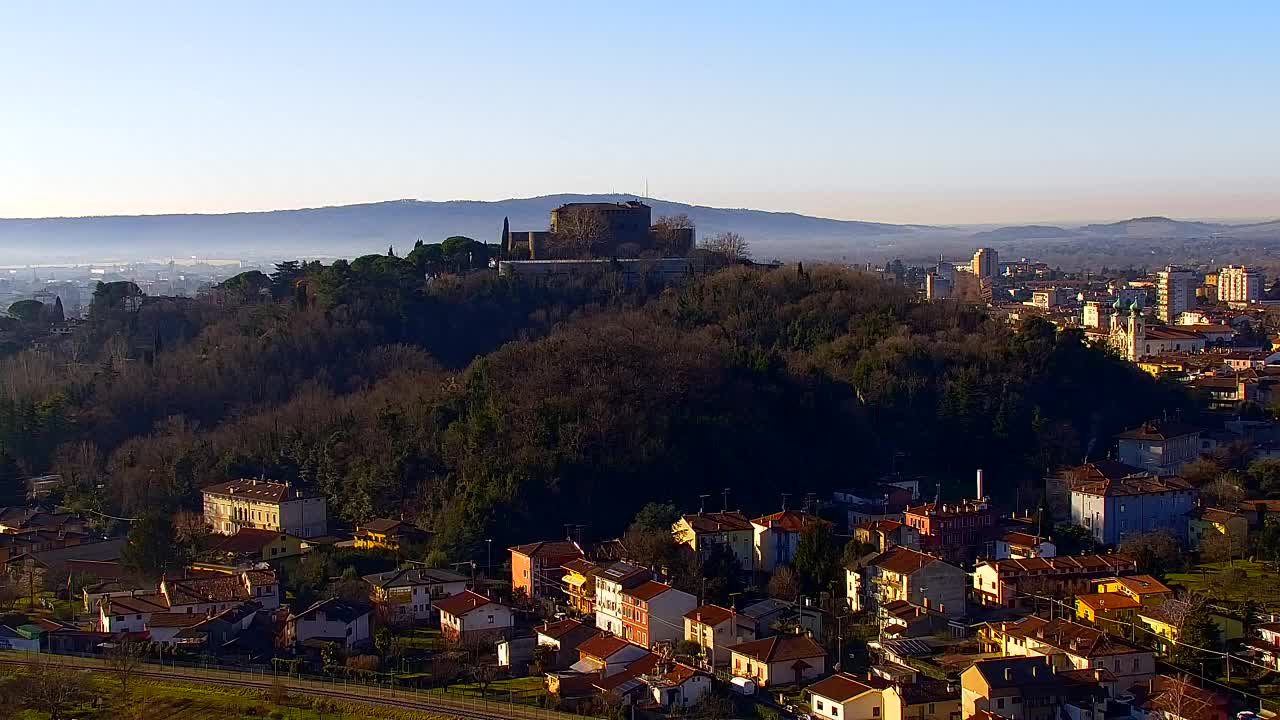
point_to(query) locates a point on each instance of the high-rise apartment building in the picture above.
(1175, 292)
(986, 263)
(1237, 283)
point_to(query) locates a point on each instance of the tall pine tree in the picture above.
(12, 489)
(506, 237)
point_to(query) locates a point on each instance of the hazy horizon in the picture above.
(990, 114)
(961, 225)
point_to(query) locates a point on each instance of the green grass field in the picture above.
(1233, 583)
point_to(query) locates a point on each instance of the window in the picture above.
(835, 710)
(1017, 700)
(1135, 664)
(1000, 703)
(818, 705)
(931, 711)
(137, 617)
(490, 619)
(875, 711)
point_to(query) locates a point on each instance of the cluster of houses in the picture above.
(972, 613)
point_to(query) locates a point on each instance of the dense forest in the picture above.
(484, 407)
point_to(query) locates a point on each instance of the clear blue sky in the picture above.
(905, 112)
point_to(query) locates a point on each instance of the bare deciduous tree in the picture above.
(55, 688)
(669, 233)
(728, 244)
(577, 230)
(125, 661)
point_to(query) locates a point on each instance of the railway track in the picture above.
(358, 694)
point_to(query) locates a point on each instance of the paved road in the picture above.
(402, 699)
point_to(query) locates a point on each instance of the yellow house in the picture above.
(1206, 521)
(732, 530)
(1110, 611)
(260, 545)
(1143, 588)
(387, 534)
(579, 584)
(921, 701)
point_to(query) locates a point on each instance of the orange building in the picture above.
(536, 567)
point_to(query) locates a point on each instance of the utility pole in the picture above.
(702, 503)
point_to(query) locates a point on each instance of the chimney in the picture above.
(1097, 674)
(1008, 674)
(980, 493)
(1035, 671)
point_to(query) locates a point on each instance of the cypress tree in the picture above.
(506, 235)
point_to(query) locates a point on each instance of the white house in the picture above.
(1161, 448)
(1020, 546)
(679, 687)
(129, 614)
(405, 595)
(610, 584)
(470, 618)
(331, 619)
(777, 537)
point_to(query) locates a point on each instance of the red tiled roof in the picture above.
(718, 522)
(247, 540)
(840, 688)
(780, 648)
(1108, 601)
(884, 526)
(602, 647)
(647, 591)
(902, 560)
(264, 490)
(560, 628)
(462, 603)
(1022, 539)
(709, 615)
(788, 520)
(1159, 430)
(553, 549)
(1141, 584)
(1138, 484)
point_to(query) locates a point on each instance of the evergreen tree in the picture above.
(57, 315)
(152, 548)
(12, 490)
(506, 235)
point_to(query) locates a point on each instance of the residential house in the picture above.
(1012, 583)
(579, 584)
(332, 620)
(1020, 688)
(759, 619)
(1266, 647)
(165, 627)
(1143, 588)
(610, 584)
(777, 537)
(123, 587)
(561, 640)
(886, 534)
(607, 655)
(954, 531)
(905, 574)
(1020, 546)
(537, 568)
(215, 592)
(927, 700)
(653, 612)
(703, 532)
(405, 595)
(779, 660)
(677, 685)
(1113, 509)
(389, 534)
(843, 696)
(714, 629)
(1257, 511)
(1159, 447)
(1111, 611)
(253, 545)
(1072, 646)
(1205, 522)
(264, 505)
(471, 619)
(129, 614)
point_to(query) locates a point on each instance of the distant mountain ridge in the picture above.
(1145, 228)
(371, 227)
